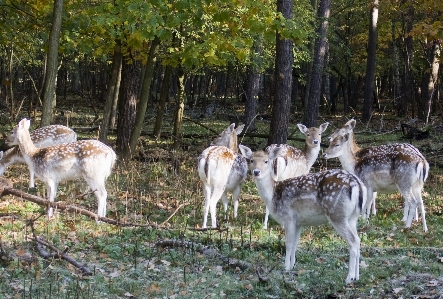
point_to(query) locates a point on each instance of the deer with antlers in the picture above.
(41, 137)
(291, 161)
(222, 169)
(90, 160)
(334, 196)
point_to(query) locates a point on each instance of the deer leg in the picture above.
(225, 203)
(374, 209)
(235, 197)
(417, 195)
(265, 223)
(217, 192)
(52, 191)
(207, 193)
(31, 178)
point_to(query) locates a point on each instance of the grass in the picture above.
(130, 263)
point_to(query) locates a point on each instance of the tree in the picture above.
(370, 63)
(315, 87)
(52, 64)
(278, 132)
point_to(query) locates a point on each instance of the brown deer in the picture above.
(400, 148)
(222, 169)
(292, 161)
(386, 172)
(41, 137)
(88, 159)
(334, 196)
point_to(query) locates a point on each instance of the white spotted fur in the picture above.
(397, 167)
(222, 169)
(291, 161)
(334, 196)
(88, 159)
(41, 137)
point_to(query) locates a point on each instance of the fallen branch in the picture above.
(172, 215)
(205, 250)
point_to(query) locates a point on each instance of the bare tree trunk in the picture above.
(252, 87)
(398, 96)
(430, 77)
(164, 94)
(127, 106)
(52, 67)
(312, 105)
(408, 81)
(283, 80)
(111, 92)
(370, 63)
(144, 96)
(178, 120)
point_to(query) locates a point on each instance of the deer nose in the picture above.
(256, 172)
(316, 141)
(325, 155)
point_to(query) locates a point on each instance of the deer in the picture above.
(331, 196)
(221, 170)
(41, 137)
(396, 168)
(292, 161)
(408, 149)
(90, 160)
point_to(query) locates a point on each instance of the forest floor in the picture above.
(165, 254)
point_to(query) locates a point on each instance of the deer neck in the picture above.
(348, 159)
(26, 145)
(311, 154)
(354, 147)
(265, 188)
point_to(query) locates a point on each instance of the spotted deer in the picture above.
(334, 196)
(222, 169)
(291, 161)
(400, 148)
(41, 137)
(396, 168)
(90, 160)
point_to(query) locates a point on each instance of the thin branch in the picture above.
(172, 215)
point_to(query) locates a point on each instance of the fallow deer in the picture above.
(41, 137)
(396, 168)
(292, 161)
(222, 169)
(405, 148)
(88, 159)
(334, 196)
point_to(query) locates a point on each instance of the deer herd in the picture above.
(293, 196)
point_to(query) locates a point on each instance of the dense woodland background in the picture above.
(121, 58)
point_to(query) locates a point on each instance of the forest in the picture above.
(158, 82)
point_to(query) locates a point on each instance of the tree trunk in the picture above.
(144, 96)
(52, 67)
(127, 105)
(283, 80)
(430, 77)
(370, 63)
(398, 96)
(114, 83)
(164, 94)
(252, 87)
(408, 79)
(312, 105)
(178, 120)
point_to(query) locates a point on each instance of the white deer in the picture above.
(88, 159)
(222, 169)
(334, 196)
(402, 149)
(41, 137)
(291, 161)
(386, 172)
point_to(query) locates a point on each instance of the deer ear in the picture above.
(346, 136)
(246, 151)
(324, 126)
(239, 129)
(302, 128)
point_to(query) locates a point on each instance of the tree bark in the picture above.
(313, 103)
(408, 79)
(178, 119)
(430, 77)
(370, 63)
(398, 96)
(252, 87)
(113, 85)
(127, 105)
(144, 96)
(52, 67)
(164, 94)
(283, 80)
